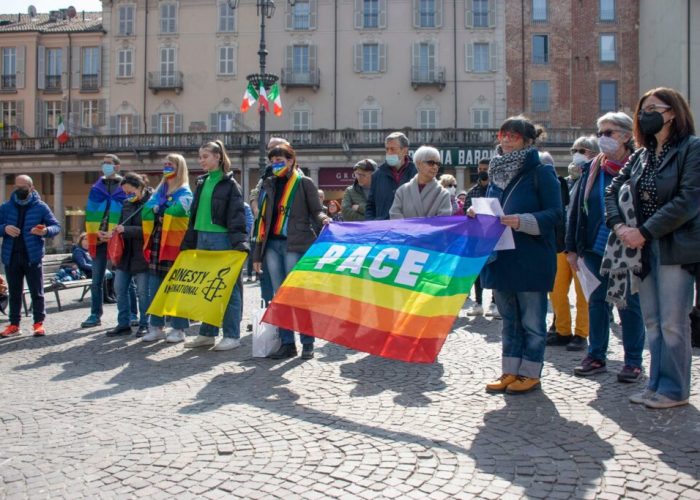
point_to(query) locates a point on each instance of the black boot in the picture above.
(695, 327)
(285, 351)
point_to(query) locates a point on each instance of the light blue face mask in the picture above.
(107, 169)
(392, 160)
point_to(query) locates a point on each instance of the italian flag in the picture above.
(61, 132)
(276, 99)
(262, 100)
(249, 98)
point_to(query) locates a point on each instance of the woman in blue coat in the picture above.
(521, 278)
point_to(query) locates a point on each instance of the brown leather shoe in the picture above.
(500, 385)
(523, 385)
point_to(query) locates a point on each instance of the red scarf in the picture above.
(610, 167)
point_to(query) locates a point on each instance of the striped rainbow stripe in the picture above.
(175, 222)
(389, 288)
(290, 189)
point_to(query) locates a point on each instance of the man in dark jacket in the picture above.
(355, 196)
(396, 170)
(25, 221)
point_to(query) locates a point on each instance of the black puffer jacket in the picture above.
(227, 210)
(133, 260)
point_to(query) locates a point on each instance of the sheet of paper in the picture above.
(491, 206)
(587, 279)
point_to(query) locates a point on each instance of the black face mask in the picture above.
(22, 194)
(650, 123)
(483, 176)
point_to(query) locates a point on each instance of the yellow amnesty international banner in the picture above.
(199, 285)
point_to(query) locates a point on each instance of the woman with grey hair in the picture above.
(422, 196)
(586, 237)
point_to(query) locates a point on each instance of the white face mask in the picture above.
(452, 190)
(608, 145)
(579, 159)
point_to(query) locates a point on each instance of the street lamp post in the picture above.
(265, 10)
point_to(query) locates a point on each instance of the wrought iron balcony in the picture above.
(428, 76)
(8, 82)
(294, 78)
(165, 81)
(53, 82)
(89, 83)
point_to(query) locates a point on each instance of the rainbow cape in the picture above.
(280, 228)
(175, 221)
(390, 288)
(98, 198)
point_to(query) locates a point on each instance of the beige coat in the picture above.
(409, 202)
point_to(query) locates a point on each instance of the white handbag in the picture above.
(266, 339)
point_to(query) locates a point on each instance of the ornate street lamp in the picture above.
(265, 10)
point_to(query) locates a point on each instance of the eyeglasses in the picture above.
(608, 133)
(582, 151)
(511, 136)
(452, 185)
(433, 163)
(661, 108)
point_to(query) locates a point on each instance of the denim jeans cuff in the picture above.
(511, 365)
(532, 369)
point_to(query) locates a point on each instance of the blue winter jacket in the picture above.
(38, 212)
(383, 189)
(532, 265)
(249, 218)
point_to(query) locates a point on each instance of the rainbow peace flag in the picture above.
(390, 288)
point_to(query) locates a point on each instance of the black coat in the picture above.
(227, 210)
(676, 223)
(133, 260)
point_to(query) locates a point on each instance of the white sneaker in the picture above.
(154, 333)
(227, 344)
(641, 397)
(475, 310)
(493, 311)
(175, 336)
(200, 341)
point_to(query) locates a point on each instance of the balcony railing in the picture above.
(88, 83)
(422, 76)
(249, 140)
(165, 81)
(292, 78)
(53, 82)
(8, 82)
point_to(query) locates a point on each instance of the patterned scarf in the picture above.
(610, 167)
(504, 167)
(100, 201)
(283, 209)
(622, 264)
(175, 208)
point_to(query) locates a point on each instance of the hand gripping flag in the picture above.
(276, 99)
(249, 98)
(199, 285)
(390, 288)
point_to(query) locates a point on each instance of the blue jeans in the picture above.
(99, 266)
(123, 282)
(667, 298)
(154, 282)
(524, 331)
(599, 319)
(279, 263)
(133, 299)
(234, 310)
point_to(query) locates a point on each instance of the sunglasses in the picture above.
(574, 151)
(433, 163)
(661, 108)
(511, 136)
(608, 133)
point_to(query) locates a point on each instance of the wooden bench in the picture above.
(51, 263)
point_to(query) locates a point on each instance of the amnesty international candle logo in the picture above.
(199, 285)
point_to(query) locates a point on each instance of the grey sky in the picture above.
(44, 6)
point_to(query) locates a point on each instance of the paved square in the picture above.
(84, 415)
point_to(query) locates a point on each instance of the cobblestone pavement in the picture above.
(84, 415)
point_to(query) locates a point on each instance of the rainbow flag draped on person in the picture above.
(176, 216)
(99, 198)
(390, 288)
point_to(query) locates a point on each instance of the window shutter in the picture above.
(382, 57)
(383, 13)
(358, 57)
(313, 6)
(493, 56)
(312, 57)
(99, 66)
(101, 112)
(290, 58)
(416, 56)
(75, 116)
(178, 123)
(416, 13)
(64, 68)
(469, 14)
(20, 115)
(213, 122)
(19, 72)
(358, 14)
(136, 124)
(40, 120)
(492, 13)
(41, 67)
(155, 129)
(113, 125)
(438, 13)
(76, 69)
(289, 17)
(470, 57)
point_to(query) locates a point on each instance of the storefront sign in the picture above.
(335, 177)
(462, 157)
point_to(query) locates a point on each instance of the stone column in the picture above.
(59, 210)
(459, 171)
(313, 172)
(3, 186)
